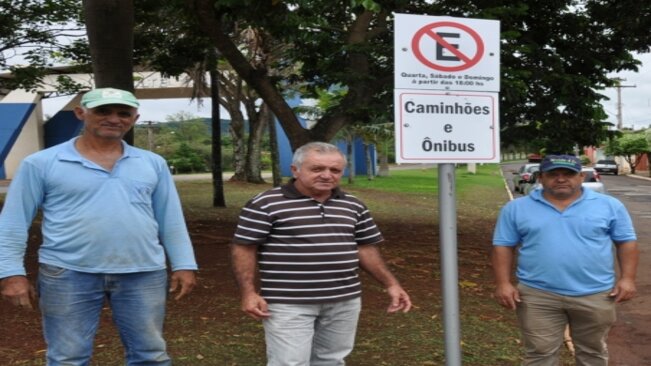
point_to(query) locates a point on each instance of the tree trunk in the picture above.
(218, 198)
(275, 155)
(351, 160)
(370, 174)
(629, 159)
(109, 26)
(256, 130)
(384, 161)
(239, 146)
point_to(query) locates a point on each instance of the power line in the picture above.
(618, 85)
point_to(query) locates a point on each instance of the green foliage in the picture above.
(628, 144)
(555, 57)
(265, 161)
(553, 67)
(631, 146)
(167, 139)
(68, 85)
(186, 160)
(166, 38)
(367, 4)
(31, 29)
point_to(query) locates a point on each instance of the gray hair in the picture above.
(317, 147)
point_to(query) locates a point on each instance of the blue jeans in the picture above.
(311, 335)
(71, 303)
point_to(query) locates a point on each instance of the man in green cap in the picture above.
(111, 220)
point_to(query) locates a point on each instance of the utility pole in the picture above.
(619, 86)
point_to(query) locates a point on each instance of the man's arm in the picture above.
(628, 258)
(172, 228)
(20, 205)
(371, 261)
(505, 293)
(243, 258)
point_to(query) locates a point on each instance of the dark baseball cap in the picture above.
(551, 162)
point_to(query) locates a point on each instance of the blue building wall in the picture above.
(285, 153)
(12, 119)
(62, 127)
(359, 157)
(285, 149)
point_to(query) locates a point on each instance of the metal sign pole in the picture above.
(446, 101)
(449, 266)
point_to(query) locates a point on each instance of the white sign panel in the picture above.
(445, 53)
(446, 127)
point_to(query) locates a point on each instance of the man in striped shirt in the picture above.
(309, 238)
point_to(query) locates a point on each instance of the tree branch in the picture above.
(210, 23)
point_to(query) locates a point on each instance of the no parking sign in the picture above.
(444, 53)
(446, 111)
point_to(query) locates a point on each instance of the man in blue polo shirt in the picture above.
(564, 235)
(111, 220)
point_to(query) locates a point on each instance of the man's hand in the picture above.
(183, 281)
(18, 291)
(624, 290)
(399, 299)
(507, 295)
(255, 306)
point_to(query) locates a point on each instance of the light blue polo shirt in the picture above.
(569, 252)
(97, 221)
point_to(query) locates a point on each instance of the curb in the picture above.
(638, 176)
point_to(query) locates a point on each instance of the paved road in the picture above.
(631, 336)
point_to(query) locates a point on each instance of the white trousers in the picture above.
(311, 335)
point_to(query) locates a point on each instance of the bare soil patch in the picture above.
(411, 250)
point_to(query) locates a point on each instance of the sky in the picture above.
(635, 99)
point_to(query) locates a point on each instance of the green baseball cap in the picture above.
(104, 96)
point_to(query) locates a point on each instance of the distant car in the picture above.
(523, 175)
(534, 158)
(607, 166)
(591, 180)
(531, 184)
